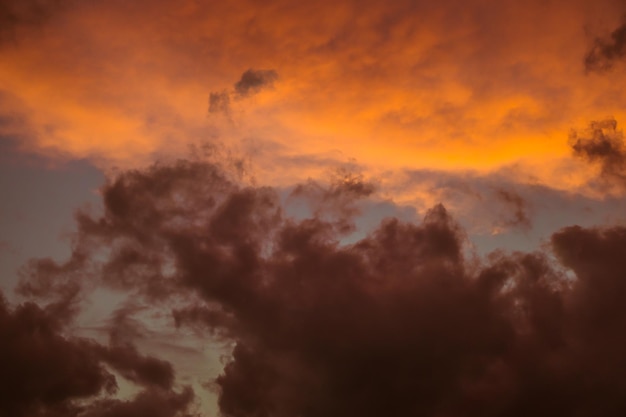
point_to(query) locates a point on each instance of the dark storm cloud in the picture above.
(254, 80)
(606, 52)
(398, 323)
(603, 144)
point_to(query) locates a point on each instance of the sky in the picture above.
(331, 208)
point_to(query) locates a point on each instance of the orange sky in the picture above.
(405, 86)
(470, 103)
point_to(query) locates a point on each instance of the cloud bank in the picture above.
(403, 321)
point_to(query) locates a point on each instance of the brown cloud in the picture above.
(603, 144)
(606, 52)
(397, 323)
(46, 372)
(252, 80)
(143, 370)
(219, 102)
(42, 371)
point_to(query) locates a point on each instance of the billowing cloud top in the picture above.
(403, 321)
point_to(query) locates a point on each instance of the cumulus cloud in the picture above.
(606, 52)
(400, 322)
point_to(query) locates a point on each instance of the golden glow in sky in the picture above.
(329, 208)
(476, 86)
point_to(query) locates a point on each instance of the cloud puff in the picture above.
(219, 102)
(252, 80)
(603, 144)
(606, 52)
(400, 322)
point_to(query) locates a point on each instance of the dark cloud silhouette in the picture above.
(42, 371)
(605, 52)
(398, 323)
(47, 373)
(254, 80)
(251, 82)
(602, 143)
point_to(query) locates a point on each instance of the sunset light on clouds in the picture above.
(395, 86)
(328, 208)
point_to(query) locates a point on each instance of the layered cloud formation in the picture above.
(453, 86)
